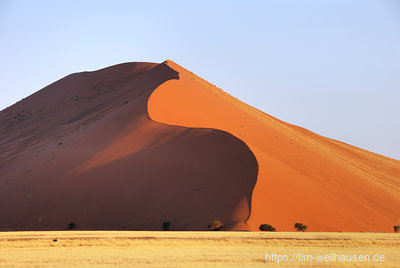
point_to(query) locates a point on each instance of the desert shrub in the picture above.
(300, 227)
(396, 228)
(215, 225)
(267, 228)
(71, 226)
(166, 225)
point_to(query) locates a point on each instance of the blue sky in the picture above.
(330, 66)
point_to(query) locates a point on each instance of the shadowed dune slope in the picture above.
(303, 177)
(84, 150)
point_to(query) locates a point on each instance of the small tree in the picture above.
(396, 228)
(166, 225)
(300, 227)
(215, 225)
(71, 226)
(267, 228)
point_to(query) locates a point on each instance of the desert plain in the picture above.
(191, 249)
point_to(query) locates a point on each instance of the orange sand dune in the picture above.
(84, 150)
(303, 177)
(137, 144)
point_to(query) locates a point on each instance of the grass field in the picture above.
(191, 249)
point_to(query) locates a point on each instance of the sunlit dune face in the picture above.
(301, 174)
(135, 145)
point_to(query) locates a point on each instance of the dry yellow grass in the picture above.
(188, 249)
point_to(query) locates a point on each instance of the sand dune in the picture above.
(87, 152)
(303, 177)
(137, 144)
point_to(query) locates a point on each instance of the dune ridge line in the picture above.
(303, 177)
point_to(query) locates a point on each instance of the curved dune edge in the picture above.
(85, 150)
(303, 177)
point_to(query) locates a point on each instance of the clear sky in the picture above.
(330, 66)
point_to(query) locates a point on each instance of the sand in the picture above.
(86, 151)
(134, 145)
(303, 177)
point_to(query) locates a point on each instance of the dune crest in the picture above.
(84, 150)
(134, 145)
(303, 177)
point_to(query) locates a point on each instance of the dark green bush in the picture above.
(300, 227)
(71, 226)
(166, 225)
(267, 228)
